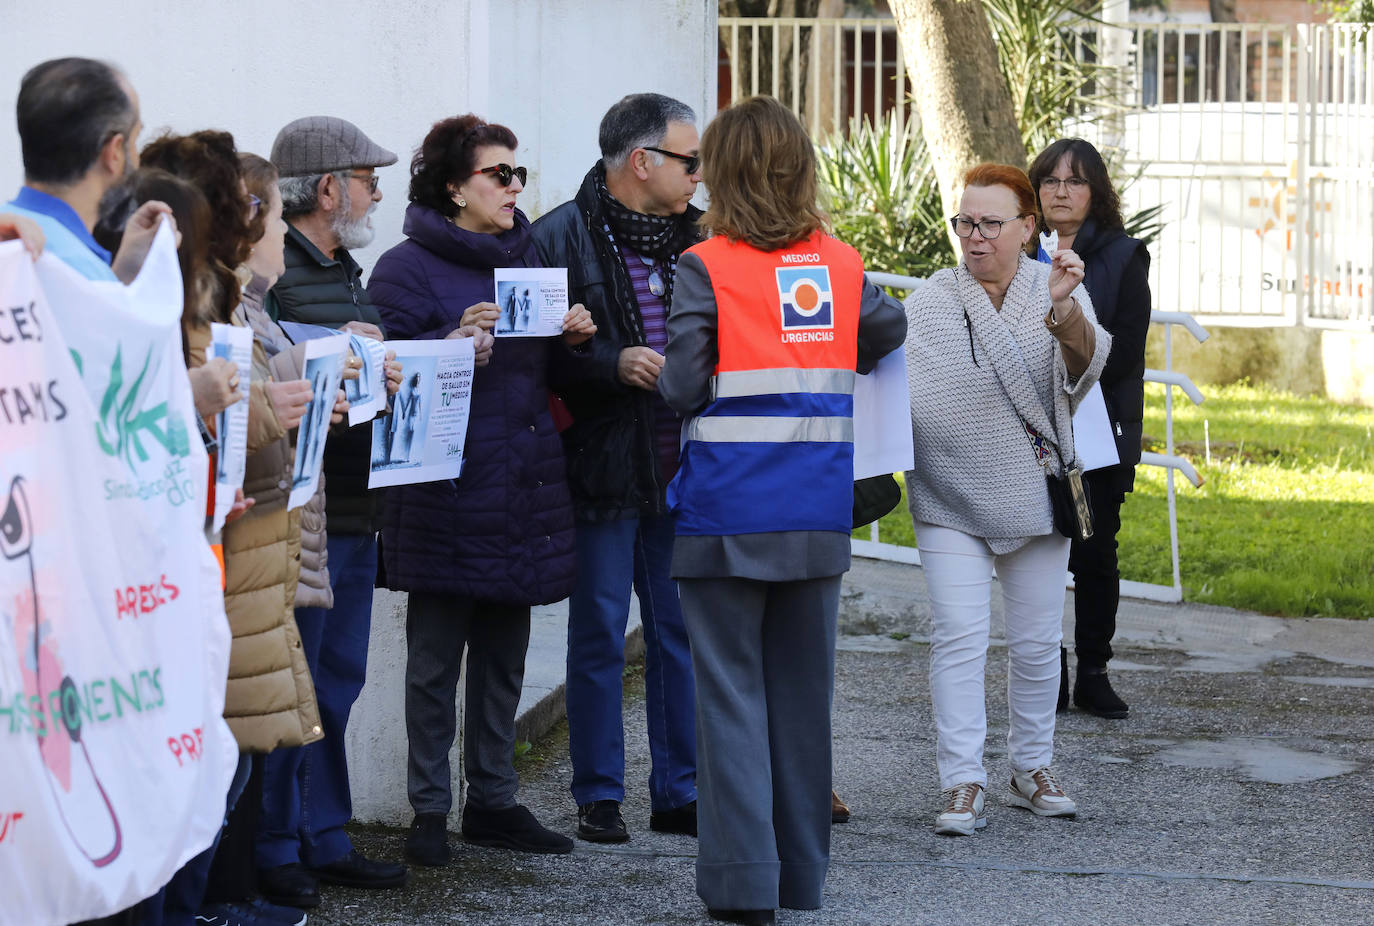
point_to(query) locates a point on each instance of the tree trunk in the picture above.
(966, 110)
(741, 67)
(1223, 11)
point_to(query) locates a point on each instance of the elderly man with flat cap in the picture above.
(328, 182)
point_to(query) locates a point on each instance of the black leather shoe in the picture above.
(289, 885)
(748, 917)
(681, 820)
(427, 842)
(354, 870)
(600, 821)
(1063, 704)
(1093, 693)
(512, 828)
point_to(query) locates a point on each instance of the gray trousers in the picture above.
(764, 658)
(438, 627)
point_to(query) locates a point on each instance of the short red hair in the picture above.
(1013, 178)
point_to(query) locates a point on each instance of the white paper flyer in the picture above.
(231, 425)
(323, 368)
(422, 439)
(533, 301)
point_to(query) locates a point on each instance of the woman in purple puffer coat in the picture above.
(476, 552)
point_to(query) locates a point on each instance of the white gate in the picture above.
(1258, 140)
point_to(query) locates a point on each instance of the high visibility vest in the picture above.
(774, 448)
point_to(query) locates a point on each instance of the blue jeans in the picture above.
(182, 897)
(305, 796)
(612, 556)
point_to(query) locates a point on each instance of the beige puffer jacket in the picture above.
(288, 361)
(270, 699)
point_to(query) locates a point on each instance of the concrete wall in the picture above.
(547, 68)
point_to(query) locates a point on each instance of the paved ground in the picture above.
(1241, 790)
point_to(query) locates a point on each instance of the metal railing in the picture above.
(1258, 140)
(875, 548)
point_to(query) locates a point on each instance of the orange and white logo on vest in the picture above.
(806, 299)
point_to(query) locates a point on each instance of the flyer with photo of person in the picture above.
(422, 439)
(324, 358)
(231, 425)
(533, 301)
(367, 394)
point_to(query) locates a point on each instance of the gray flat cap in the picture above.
(324, 144)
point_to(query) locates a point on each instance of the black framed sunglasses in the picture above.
(692, 161)
(504, 173)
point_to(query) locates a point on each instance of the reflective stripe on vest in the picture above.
(733, 383)
(774, 448)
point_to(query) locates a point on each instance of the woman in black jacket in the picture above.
(1077, 200)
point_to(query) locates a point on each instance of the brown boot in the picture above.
(839, 810)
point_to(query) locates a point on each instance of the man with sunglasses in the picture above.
(328, 182)
(620, 239)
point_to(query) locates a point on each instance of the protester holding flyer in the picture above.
(1080, 206)
(475, 554)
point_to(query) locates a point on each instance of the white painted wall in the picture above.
(548, 69)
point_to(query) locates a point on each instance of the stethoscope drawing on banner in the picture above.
(85, 823)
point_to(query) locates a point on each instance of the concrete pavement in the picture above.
(1240, 790)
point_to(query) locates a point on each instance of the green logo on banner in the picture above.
(123, 423)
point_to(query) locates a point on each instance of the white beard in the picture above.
(353, 235)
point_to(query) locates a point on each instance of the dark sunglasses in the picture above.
(504, 173)
(692, 161)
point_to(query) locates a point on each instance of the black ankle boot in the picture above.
(1063, 704)
(1093, 693)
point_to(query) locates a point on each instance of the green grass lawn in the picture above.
(1284, 521)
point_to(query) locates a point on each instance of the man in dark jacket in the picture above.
(329, 189)
(620, 239)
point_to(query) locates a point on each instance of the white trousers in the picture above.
(958, 571)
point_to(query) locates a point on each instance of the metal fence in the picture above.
(1258, 141)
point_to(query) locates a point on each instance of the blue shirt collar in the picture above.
(44, 204)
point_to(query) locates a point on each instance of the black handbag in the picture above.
(1070, 505)
(874, 497)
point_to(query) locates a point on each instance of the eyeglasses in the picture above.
(254, 204)
(988, 228)
(504, 173)
(692, 161)
(369, 179)
(656, 284)
(1051, 184)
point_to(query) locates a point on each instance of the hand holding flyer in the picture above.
(231, 425)
(323, 370)
(533, 301)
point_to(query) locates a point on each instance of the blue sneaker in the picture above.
(256, 912)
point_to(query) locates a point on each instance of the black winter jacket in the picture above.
(613, 469)
(320, 290)
(1117, 278)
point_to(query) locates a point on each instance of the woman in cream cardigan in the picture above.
(1000, 349)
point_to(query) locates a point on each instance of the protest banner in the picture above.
(324, 359)
(533, 301)
(422, 439)
(113, 641)
(231, 425)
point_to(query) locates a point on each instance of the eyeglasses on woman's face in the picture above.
(988, 228)
(1073, 184)
(504, 173)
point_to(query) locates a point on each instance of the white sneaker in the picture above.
(964, 812)
(1038, 792)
